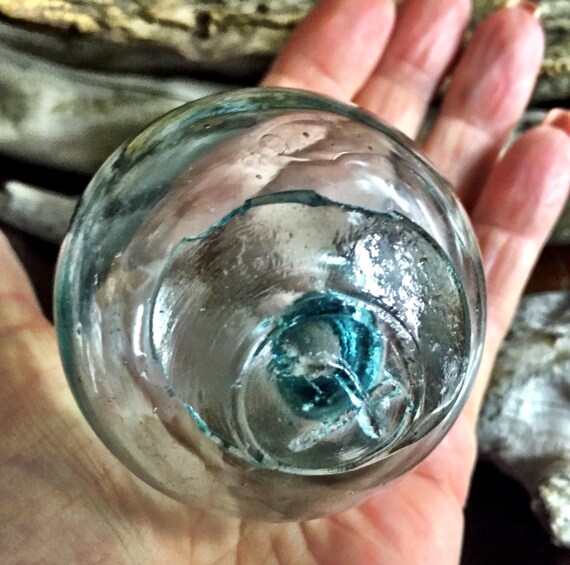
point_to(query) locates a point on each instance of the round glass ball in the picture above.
(270, 304)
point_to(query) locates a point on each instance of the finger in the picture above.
(488, 94)
(335, 48)
(425, 40)
(518, 207)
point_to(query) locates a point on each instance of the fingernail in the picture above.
(559, 118)
(531, 7)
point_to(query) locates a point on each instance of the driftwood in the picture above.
(234, 37)
(525, 422)
(38, 212)
(73, 119)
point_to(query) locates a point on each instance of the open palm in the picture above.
(65, 499)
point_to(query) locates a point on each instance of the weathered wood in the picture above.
(234, 37)
(525, 422)
(73, 119)
(36, 211)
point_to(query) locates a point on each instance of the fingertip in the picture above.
(529, 185)
(531, 8)
(499, 69)
(489, 91)
(335, 48)
(521, 21)
(526, 15)
(558, 118)
(424, 43)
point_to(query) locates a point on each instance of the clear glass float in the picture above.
(270, 304)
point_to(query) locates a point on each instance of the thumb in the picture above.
(30, 367)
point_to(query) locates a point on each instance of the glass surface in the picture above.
(270, 304)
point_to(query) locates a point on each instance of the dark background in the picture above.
(500, 527)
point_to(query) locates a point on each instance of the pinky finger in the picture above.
(514, 216)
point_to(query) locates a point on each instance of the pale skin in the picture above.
(66, 499)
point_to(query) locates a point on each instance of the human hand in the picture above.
(64, 496)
